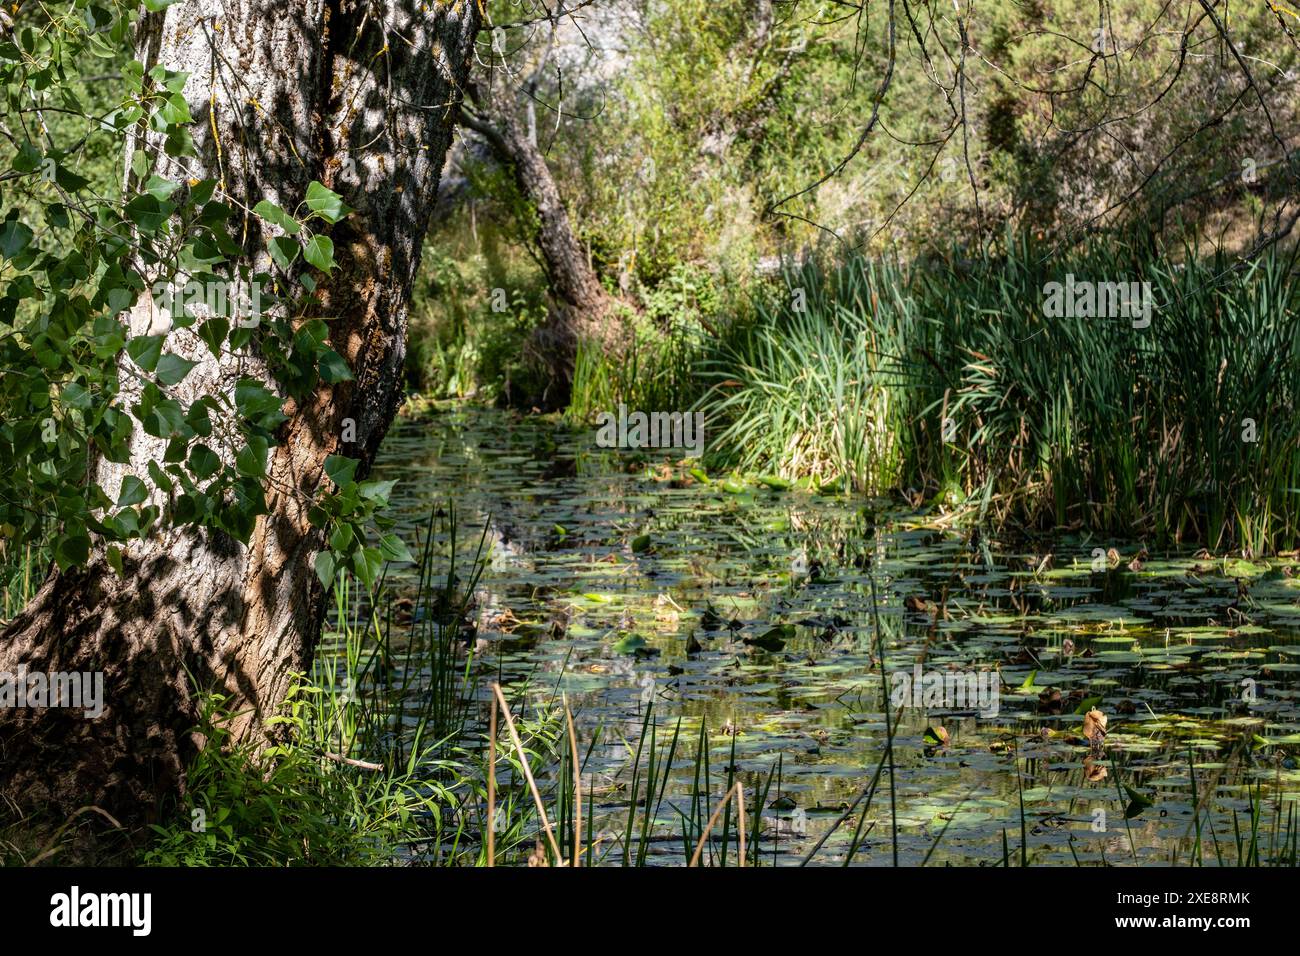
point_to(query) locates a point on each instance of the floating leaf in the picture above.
(936, 736)
(629, 644)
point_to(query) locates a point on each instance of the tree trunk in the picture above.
(362, 97)
(581, 308)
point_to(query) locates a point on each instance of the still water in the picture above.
(621, 582)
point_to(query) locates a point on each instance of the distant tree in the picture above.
(502, 107)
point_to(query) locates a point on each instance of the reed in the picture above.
(948, 377)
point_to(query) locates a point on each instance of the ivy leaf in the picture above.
(319, 251)
(326, 203)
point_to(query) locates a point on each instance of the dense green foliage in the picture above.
(78, 253)
(686, 157)
(1183, 430)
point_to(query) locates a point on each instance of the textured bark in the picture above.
(362, 97)
(581, 309)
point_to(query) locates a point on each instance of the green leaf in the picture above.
(367, 563)
(629, 644)
(179, 142)
(283, 251)
(145, 350)
(340, 470)
(147, 212)
(75, 395)
(28, 159)
(326, 203)
(258, 404)
(250, 461)
(394, 548)
(319, 251)
(333, 368)
(772, 639)
(155, 6)
(140, 163)
(213, 332)
(935, 737)
(325, 567)
(69, 180)
(342, 537)
(160, 477)
(1137, 803)
(377, 491)
(204, 462)
(277, 216)
(175, 111)
(71, 549)
(134, 492)
(14, 238)
(161, 189)
(640, 543)
(1087, 704)
(172, 369)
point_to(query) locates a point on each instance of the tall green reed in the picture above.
(948, 371)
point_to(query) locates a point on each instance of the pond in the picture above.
(622, 582)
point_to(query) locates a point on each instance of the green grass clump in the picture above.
(949, 374)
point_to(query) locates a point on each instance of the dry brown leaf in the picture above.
(1094, 726)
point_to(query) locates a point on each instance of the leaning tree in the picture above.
(208, 360)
